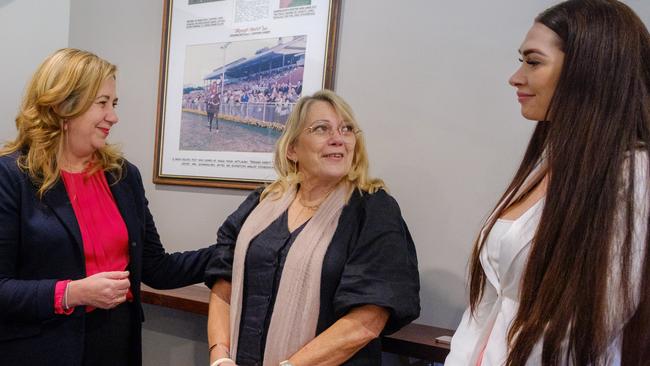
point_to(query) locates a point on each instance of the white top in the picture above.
(514, 237)
(493, 242)
(489, 326)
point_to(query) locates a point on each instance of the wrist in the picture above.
(222, 360)
(286, 363)
(66, 304)
(218, 351)
(71, 294)
(60, 302)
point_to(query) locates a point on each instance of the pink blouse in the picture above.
(103, 231)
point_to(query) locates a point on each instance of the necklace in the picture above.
(307, 208)
(310, 207)
(296, 219)
(314, 207)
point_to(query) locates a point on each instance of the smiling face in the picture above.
(87, 132)
(541, 66)
(323, 158)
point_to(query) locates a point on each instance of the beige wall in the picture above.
(29, 31)
(427, 80)
(442, 125)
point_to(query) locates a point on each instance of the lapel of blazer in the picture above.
(57, 199)
(506, 260)
(124, 198)
(525, 225)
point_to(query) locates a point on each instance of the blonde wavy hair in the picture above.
(287, 170)
(63, 87)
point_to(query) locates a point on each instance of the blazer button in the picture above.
(132, 243)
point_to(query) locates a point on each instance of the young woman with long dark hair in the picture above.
(560, 272)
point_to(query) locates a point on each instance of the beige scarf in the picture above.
(297, 304)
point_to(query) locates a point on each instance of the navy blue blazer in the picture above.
(40, 244)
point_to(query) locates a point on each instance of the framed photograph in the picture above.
(231, 72)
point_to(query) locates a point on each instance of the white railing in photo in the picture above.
(268, 115)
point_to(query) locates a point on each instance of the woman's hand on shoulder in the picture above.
(104, 290)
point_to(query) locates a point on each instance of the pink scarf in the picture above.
(297, 304)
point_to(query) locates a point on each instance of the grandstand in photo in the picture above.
(257, 90)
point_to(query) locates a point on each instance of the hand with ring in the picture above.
(104, 290)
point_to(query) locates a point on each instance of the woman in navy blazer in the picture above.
(63, 122)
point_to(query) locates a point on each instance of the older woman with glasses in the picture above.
(311, 270)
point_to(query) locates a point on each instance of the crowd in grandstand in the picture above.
(266, 88)
(269, 94)
(278, 88)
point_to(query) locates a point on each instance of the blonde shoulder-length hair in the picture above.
(63, 87)
(287, 170)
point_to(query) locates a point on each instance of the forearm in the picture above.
(162, 270)
(219, 321)
(344, 338)
(27, 299)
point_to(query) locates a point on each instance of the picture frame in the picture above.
(230, 73)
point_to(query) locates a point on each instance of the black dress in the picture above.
(371, 260)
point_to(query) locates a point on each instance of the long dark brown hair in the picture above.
(599, 119)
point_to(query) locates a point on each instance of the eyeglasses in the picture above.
(324, 130)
